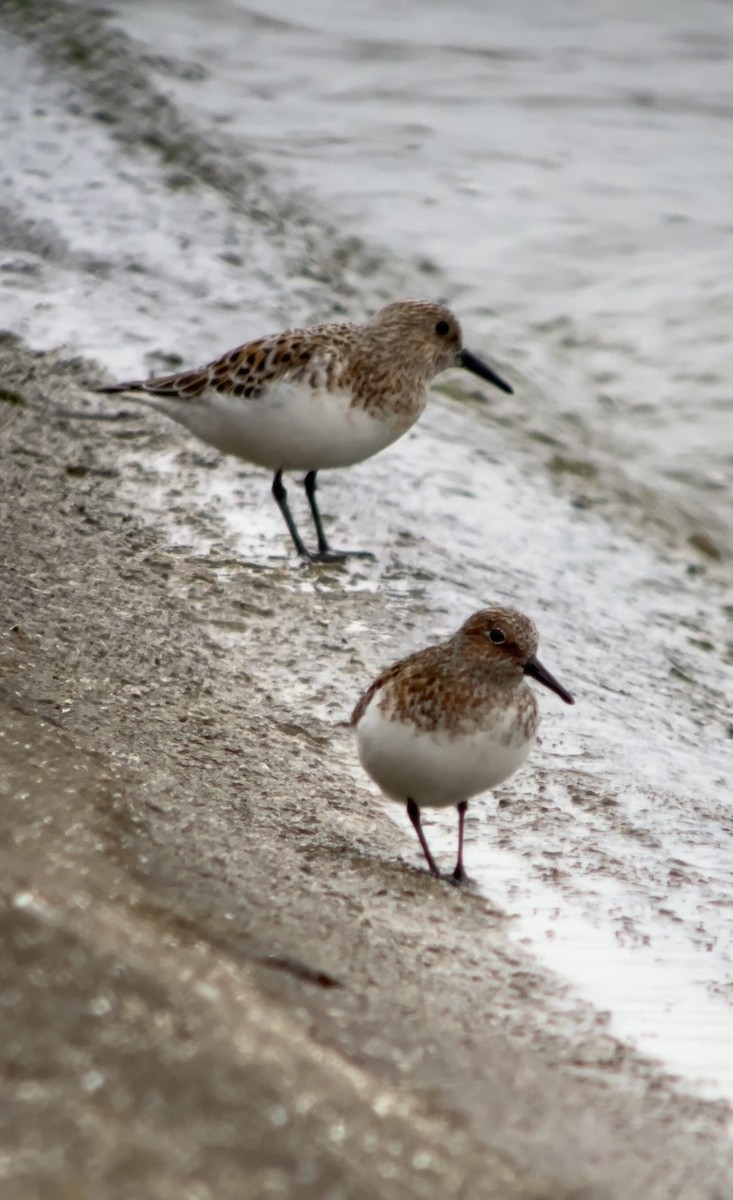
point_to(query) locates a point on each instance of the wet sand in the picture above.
(222, 973)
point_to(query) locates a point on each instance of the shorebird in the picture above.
(320, 397)
(454, 719)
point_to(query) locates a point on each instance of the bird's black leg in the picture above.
(281, 496)
(324, 550)
(413, 813)
(325, 553)
(459, 874)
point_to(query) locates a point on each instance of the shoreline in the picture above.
(226, 973)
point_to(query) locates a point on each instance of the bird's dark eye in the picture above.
(442, 329)
(497, 636)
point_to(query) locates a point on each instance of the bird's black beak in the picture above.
(471, 362)
(534, 667)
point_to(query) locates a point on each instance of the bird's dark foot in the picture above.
(459, 876)
(325, 556)
(336, 556)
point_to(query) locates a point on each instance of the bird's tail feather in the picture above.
(136, 385)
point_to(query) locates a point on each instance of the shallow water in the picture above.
(568, 176)
(567, 168)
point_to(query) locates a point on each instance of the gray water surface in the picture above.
(567, 166)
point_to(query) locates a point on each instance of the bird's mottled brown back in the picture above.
(455, 684)
(316, 357)
(385, 364)
(446, 687)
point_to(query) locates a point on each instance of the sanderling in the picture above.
(456, 719)
(326, 396)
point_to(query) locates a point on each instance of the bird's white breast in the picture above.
(438, 768)
(289, 427)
